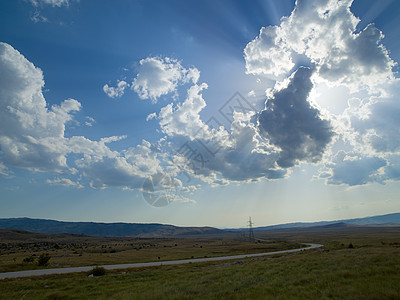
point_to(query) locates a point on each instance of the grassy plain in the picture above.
(74, 250)
(369, 270)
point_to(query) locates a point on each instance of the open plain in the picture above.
(355, 262)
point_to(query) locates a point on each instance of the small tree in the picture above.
(98, 271)
(43, 259)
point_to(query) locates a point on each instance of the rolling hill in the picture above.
(381, 220)
(103, 229)
(163, 230)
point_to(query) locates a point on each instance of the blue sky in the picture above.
(199, 112)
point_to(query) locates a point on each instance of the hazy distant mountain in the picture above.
(389, 219)
(161, 230)
(103, 229)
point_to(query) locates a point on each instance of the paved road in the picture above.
(146, 264)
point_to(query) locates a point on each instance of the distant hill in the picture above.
(27, 236)
(103, 229)
(382, 220)
(162, 230)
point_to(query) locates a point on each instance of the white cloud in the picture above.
(112, 139)
(53, 3)
(118, 91)
(128, 169)
(39, 5)
(151, 116)
(243, 155)
(4, 170)
(267, 54)
(37, 17)
(107, 168)
(369, 146)
(324, 32)
(376, 121)
(370, 124)
(89, 121)
(159, 76)
(213, 154)
(31, 135)
(184, 119)
(64, 182)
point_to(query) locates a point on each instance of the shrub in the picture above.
(98, 271)
(351, 246)
(29, 259)
(43, 259)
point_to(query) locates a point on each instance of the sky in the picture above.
(199, 113)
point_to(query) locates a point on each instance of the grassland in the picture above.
(72, 250)
(370, 270)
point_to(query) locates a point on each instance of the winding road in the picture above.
(147, 264)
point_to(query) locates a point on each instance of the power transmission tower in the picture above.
(251, 233)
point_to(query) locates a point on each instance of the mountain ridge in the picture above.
(103, 229)
(120, 229)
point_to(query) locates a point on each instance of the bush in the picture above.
(351, 246)
(29, 259)
(43, 259)
(98, 271)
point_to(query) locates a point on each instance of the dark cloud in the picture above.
(292, 124)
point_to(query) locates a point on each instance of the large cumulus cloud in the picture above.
(324, 35)
(325, 32)
(31, 134)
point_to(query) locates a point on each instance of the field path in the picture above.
(147, 264)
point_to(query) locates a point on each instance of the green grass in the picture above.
(371, 270)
